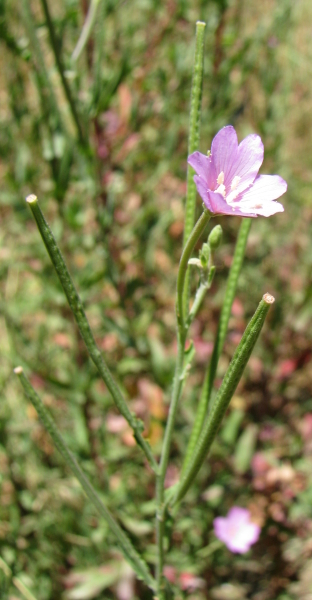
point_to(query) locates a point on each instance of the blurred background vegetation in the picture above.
(102, 141)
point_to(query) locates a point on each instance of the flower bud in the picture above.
(204, 255)
(215, 237)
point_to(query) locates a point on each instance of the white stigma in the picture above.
(220, 178)
(235, 182)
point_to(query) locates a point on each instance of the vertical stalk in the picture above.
(44, 84)
(160, 514)
(59, 63)
(86, 29)
(195, 112)
(220, 338)
(176, 392)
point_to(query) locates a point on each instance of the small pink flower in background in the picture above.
(228, 182)
(236, 530)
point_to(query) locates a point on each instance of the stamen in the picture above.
(220, 178)
(234, 195)
(235, 182)
(221, 190)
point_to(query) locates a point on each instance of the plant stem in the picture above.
(45, 88)
(226, 391)
(175, 396)
(193, 141)
(129, 551)
(84, 327)
(176, 391)
(86, 30)
(186, 254)
(59, 63)
(230, 292)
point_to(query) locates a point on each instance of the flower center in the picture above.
(233, 530)
(221, 189)
(220, 178)
(235, 182)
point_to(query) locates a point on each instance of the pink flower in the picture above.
(236, 530)
(228, 180)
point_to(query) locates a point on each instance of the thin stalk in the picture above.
(84, 327)
(86, 30)
(220, 338)
(226, 391)
(125, 544)
(59, 63)
(176, 392)
(160, 516)
(44, 84)
(99, 41)
(195, 112)
(182, 273)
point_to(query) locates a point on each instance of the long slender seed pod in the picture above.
(59, 63)
(84, 327)
(195, 112)
(126, 546)
(226, 391)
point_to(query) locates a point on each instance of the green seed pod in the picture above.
(215, 237)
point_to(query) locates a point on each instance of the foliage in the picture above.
(114, 199)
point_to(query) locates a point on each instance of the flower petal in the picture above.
(223, 150)
(246, 163)
(219, 206)
(236, 530)
(238, 514)
(246, 535)
(202, 189)
(220, 525)
(204, 167)
(258, 199)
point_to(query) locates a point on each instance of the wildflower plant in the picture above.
(228, 183)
